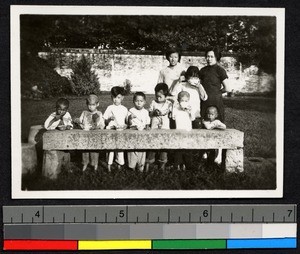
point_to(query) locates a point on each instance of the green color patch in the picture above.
(188, 244)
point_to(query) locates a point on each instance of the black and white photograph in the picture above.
(147, 102)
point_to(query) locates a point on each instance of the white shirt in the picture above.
(118, 112)
(183, 118)
(87, 122)
(171, 75)
(142, 117)
(66, 120)
(194, 95)
(165, 108)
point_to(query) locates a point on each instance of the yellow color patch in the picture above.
(115, 245)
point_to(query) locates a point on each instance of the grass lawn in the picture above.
(255, 116)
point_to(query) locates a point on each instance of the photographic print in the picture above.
(147, 102)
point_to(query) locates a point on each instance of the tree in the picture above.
(253, 38)
(84, 81)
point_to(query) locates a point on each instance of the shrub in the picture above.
(83, 80)
(38, 75)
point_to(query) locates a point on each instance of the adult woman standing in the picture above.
(214, 79)
(173, 73)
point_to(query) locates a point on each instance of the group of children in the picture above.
(177, 105)
(118, 117)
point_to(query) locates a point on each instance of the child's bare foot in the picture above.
(146, 169)
(183, 167)
(204, 156)
(95, 168)
(162, 166)
(109, 168)
(140, 168)
(84, 167)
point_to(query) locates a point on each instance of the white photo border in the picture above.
(16, 150)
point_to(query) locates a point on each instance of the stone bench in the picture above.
(58, 141)
(32, 150)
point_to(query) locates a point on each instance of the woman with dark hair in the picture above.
(214, 80)
(172, 73)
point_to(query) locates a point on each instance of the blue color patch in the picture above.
(262, 243)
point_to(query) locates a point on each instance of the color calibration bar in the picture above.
(149, 227)
(149, 244)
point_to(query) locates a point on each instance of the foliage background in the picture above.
(252, 38)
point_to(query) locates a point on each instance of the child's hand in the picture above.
(68, 127)
(95, 117)
(157, 112)
(77, 121)
(58, 117)
(188, 108)
(112, 118)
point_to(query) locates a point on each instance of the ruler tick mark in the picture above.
(64, 217)
(22, 218)
(190, 217)
(11, 219)
(221, 219)
(263, 219)
(273, 217)
(283, 218)
(242, 219)
(116, 218)
(200, 219)
(32, 219)
(137, 219)
(53, 219)
(179, 219)
(84, 215)
(147, 217)
(168, 215)
(95, 219)
(231, 217)
(105, 217)
(74, 220)
(252, 215)
(158, 219)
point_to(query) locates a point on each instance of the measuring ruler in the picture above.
(154, 227)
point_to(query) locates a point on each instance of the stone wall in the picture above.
(142, 68)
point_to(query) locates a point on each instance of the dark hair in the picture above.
(139, 94)
(62, 101)
(116, 90)
(212, 106)
(216, 51)
(192, 71)
(162, 87)
(171, 51)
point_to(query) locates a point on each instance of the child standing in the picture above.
(91, 119)
(115, 116)
(196, 91)
(183, 116)
(61, 118)
(159, 111)
(138, 118)
(210, 122)
(174, 72)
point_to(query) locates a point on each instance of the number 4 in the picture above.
(37, 214)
